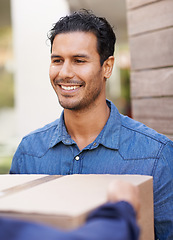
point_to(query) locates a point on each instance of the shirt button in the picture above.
(77, 158)
(94, 144)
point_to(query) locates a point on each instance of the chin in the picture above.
(69, 105)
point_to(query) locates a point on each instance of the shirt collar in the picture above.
(61, 134)
(108, 137)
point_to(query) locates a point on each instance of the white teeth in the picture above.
(69, 88)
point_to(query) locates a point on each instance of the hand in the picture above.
(120, 190)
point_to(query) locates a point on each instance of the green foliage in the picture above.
(125, 83)
(5, 163)
(5, 37)
(6, 89)
(6, 78)
(125, 91)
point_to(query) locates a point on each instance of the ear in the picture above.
(108, 66)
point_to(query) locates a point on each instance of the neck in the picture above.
(85, 126)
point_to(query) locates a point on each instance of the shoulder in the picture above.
(43, 130)
(37, 142)
(139, 141)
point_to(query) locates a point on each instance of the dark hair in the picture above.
(85, 21)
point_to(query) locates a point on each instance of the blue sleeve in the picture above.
(16, 162)
(110, 221)
(163, 194)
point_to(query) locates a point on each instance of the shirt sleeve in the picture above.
(110, 221)
(163, 194)
(16, 162)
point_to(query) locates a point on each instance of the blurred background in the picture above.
(27, 100)
(7, 128)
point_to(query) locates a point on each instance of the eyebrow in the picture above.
(55, 56)
(81, 56)
(75, 56)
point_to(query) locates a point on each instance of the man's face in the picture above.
(75, 71)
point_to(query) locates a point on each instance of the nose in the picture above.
(66, 70)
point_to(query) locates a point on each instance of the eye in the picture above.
(79, 61)
(57, 60)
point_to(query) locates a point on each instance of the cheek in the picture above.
(87, 73)
(53, 72)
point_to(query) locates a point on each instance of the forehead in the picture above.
(75, 42)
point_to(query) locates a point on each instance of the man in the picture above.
(91, 137)
(115, 220)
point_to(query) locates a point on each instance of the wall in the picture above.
(150, 29)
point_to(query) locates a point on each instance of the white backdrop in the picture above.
(36, 104)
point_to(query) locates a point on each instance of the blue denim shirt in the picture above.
(124, 146)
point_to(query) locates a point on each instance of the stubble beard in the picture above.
(80, 105)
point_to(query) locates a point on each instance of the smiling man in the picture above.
(78, 64)
(91, 136)
(79, 81)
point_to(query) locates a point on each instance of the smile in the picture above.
(68, 88)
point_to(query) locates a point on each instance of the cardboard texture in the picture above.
(65, 201)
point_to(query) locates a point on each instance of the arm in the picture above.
(163, 194)
(113, 221)
(110, 221)
(16, 161)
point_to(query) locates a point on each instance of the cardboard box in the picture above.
(65, 201)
